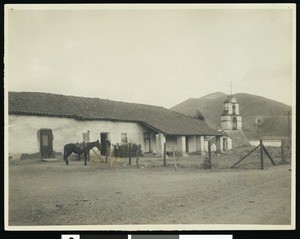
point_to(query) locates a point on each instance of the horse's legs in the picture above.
(85, 157)
(66, 159)
(66, 155)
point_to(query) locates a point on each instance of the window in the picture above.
(124, 138)
(233, 109)
(86, 136)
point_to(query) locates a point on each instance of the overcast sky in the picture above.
(151, 56)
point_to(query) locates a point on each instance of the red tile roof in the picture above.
(82, 108)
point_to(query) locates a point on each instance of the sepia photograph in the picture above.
(167, 117)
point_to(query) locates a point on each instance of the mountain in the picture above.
(275, 123)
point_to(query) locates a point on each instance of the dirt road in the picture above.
(50, 193)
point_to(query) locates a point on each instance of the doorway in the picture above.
(103, 138)
(225, 144)
(46, 143)
(234, 123)
(186, 144)
(147, 142)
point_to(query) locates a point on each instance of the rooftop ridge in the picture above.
(86, 97)
(88, 108)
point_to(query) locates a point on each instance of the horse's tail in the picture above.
(65, 152)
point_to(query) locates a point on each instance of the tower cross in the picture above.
(231, 86)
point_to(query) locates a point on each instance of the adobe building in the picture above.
(42, 123)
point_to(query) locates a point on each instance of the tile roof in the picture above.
(82, 108)
(238, 138)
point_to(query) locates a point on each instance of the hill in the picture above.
(251, 106)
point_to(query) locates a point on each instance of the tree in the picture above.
(199, 115)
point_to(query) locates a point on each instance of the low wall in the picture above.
(272, 143)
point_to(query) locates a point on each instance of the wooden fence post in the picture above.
(164, 154)
(137, 157)
(174, 158)
(129, 153)
(261, 154)
(282, 151)
(209, 152)
(106, 155)
(110, 158)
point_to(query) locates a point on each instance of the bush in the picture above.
(206, 164)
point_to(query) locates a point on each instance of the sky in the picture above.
(161, 56)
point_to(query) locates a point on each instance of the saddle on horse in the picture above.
(80, 146)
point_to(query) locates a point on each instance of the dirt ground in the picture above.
(51, 193)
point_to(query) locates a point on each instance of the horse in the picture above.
(72, 148)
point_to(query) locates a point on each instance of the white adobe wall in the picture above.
(160, 141)
(196, 143)
(229, 143)
(22, 133)
(181, 145)
(192, 144)
(237, 109)
(171, 143)
(212, 145)
(200, 144)
(239, 122)
(227, 122)
(271, 143)
(219, 143)
(229, 108)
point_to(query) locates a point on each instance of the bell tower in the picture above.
(231, 122)
(231, 118)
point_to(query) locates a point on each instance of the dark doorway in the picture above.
(147, 143)
(103, 138)
(234, 123)
(46, 143)
(186, 144)
(225, 145)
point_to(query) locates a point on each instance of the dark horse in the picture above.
(72, 148)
